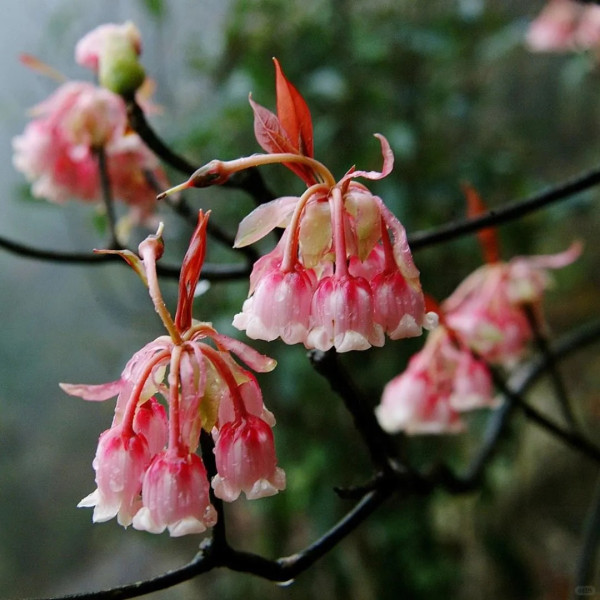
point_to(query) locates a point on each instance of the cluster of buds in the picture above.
(58, 151)
(565, 25)
(488, 320)
(148, 472)
(342, 275)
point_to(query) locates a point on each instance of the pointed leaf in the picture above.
(263, 219)
(293, 113)
(488, 239)
(273, 138)
(190, 272)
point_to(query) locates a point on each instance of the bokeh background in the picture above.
(459, 96)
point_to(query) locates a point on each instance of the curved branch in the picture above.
(250, 181)
(210, 272)
(505, 214)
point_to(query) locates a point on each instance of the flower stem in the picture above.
(224, 371)
(256, 160)
(174, 377)
(339, 235)
(291, 249)
(149, 257)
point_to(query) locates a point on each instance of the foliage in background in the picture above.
(451, 86)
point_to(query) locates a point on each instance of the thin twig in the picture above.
(138, 122)
(380, 445)
(107, 198)
(552, 368)
(574, 440)
(586, 561)
(210, 272)
(505, 214)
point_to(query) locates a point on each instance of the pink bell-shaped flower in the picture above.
(151, 421)
(279, 307)
(175, 496)
(246, 461)
(120, 462)
(342, 316)
(441, 381)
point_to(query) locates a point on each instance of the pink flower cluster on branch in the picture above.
(147, 470)
(58, 151)
(484, 322)
(342, 276)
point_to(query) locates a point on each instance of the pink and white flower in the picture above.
(565, 25)
(121, 460)
(441, 381)
(307, 290)
(175, 496)
(58, 151)
(246, 461)
(486, 311)
(147, 470)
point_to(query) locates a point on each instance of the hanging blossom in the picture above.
(484, 322)
(565, 25)
(487, 310)
(342, 275)
(58, 150)
(440, 382)
(148, 472)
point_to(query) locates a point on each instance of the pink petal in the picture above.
(386, 169)
(94, 393)
(255, 360)
(264, 219)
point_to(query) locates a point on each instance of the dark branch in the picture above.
(210, 272)
(552, 369)
(507, 213)
(138, 122)
(107, 198)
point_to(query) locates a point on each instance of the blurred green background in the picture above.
(460, 98)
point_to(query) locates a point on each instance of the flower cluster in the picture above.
(484, 322)
(565, 25)
(441, 381)
(342, 275)
(486, 310)
(58, 151)
(147, 470)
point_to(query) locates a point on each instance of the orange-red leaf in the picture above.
(190, 272)
(293, 113)
(488, 239)
(272, 138)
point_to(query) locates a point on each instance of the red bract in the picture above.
(203, 388)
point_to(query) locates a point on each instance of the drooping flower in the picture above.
(121, 459)
(246, 462)
(58, 151)
(487, 310)
(308, 289)
(147, 469)
(563, 26)
(441, 381)
(175, 496)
